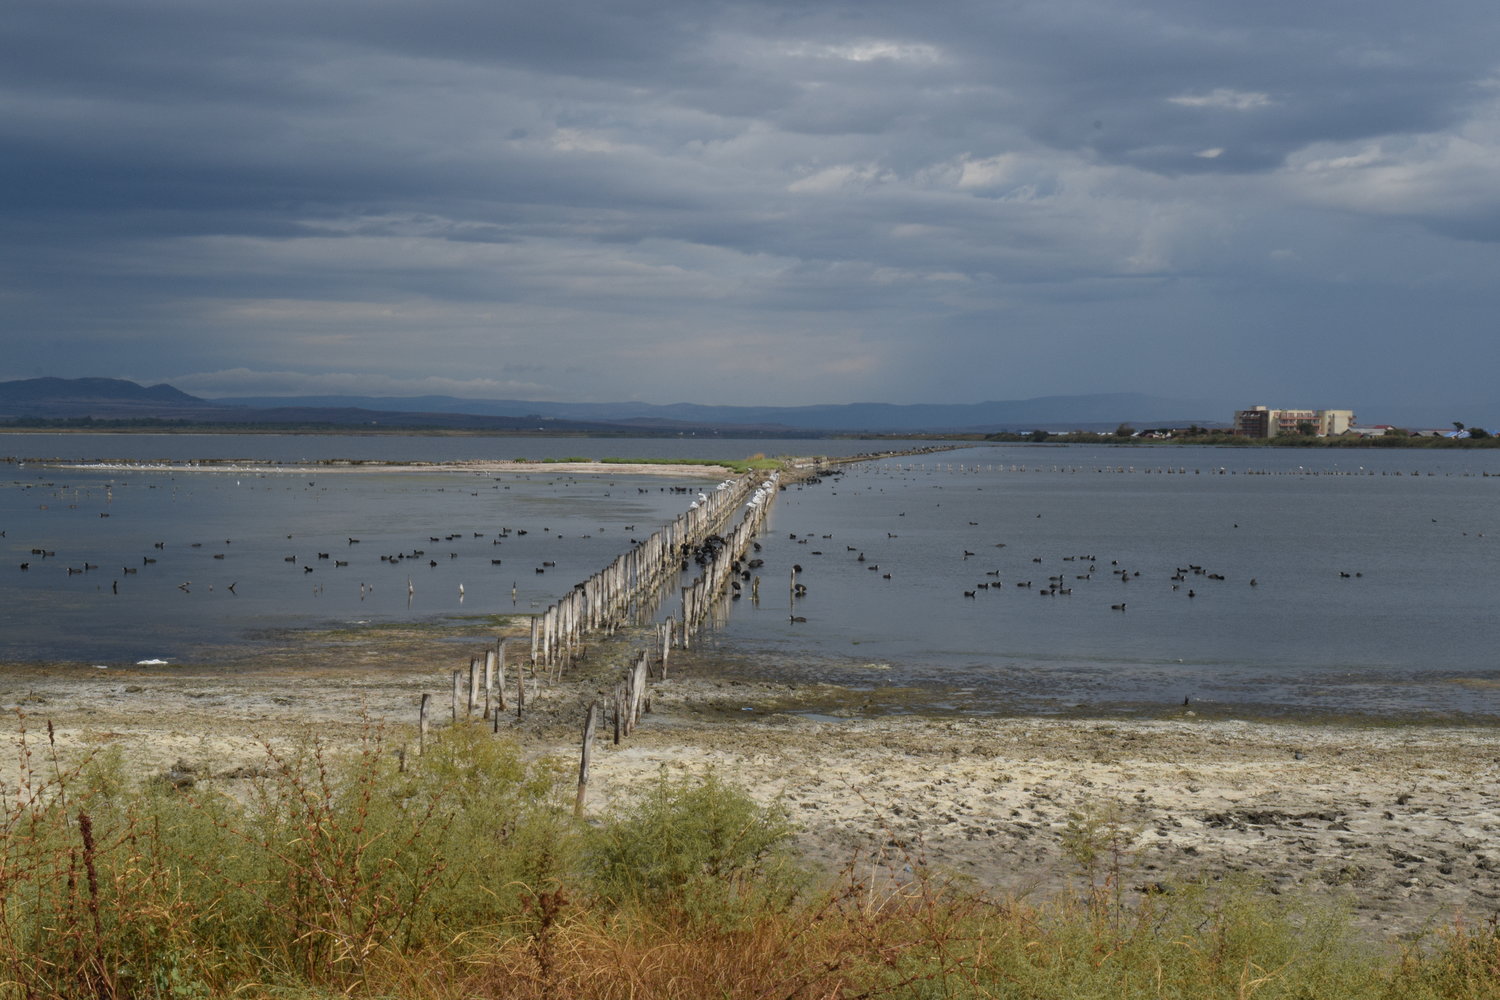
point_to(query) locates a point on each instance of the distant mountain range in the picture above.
(1052, 412)
(117, 399)
(41, 393)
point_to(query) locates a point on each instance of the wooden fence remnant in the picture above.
(422, 725)
(629, 591)
(588, 751)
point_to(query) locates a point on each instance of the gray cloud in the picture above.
(755, 202)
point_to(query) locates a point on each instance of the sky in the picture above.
(1294, 204)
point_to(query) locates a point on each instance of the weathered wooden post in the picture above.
(666, 645)
(500, 675)
(583, 763)
(474, 675)
(638, 691)
(422, 725)
(457, 688)
(489, 680)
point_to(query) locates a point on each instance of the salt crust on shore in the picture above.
(1400, 821)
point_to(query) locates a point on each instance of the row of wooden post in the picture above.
(701, 596)
(630, 701)
(699, 600)
(480, 690)
(601, 603)
(604, 602)
(619, 593)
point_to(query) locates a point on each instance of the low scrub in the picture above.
(695, 852)
(462, 873)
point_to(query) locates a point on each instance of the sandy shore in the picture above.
(599, 468)
(1398, 820)
(486, 467)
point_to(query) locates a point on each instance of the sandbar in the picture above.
(478, 466)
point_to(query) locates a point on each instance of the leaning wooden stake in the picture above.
(583, 763)
(457, 687)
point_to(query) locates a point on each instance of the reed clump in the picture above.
(462, 873)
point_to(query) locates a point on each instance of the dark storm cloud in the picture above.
(873, 200)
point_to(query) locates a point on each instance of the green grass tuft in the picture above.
(463, 873)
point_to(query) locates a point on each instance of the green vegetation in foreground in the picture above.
(465, 874)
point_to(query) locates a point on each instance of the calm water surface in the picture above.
(154, 551)
(293, 448)
(1411, 628)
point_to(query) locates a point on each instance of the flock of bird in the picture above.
(1070, 572)
(428, 551)
(760, 496)
(431, 551)
(1061, 584)
(320, 560)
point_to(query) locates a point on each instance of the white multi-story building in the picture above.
(1264, 422)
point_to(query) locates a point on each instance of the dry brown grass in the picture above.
(464, 876)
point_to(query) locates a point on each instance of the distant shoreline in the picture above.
(343, 430)
(1048, 438)
(695, 467)
(700, 470)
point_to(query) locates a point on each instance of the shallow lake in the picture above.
(1372, 570)
(1045, 578)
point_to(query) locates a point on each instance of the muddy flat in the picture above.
(1397, 820)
